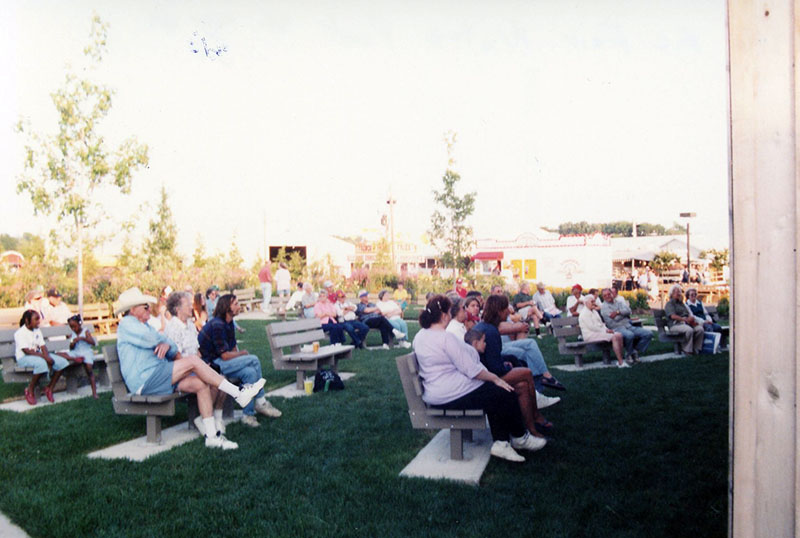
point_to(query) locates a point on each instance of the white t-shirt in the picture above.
(60, 313)
(283, 279)
(390, 309)
(571, 300)
(457, 328)
(25, 338)
(345, 315)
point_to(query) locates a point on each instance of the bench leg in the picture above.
(676, 347)
(579, 361)
(301, 375)
(153, 429)
(72, 383)
(456, 444)
(101, 376)
(606, 356)
(227, 408)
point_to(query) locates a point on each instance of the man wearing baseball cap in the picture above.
(371, 315)
(54, 310)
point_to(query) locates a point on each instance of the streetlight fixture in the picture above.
(688, 216)
(391, 201)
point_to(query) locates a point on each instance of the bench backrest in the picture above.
(9, 317)
(293, 334)
(115, 373)
(660, 318)
(408, 368)
(55, 338)
(712, 311)
(245, 294)
(565, 329)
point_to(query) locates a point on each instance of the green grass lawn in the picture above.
(638, 452)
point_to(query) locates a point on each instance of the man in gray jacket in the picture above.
(617, 315)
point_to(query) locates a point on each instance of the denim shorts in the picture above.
(160, 381)
(39, 365)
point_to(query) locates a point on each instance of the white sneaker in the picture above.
(220, 441)
(543, 402)
(267, 409)
(248, 392)
(398, 334)
(539, 336)
(503, 450)
(404, 343)
(623, 365)
(198, 423)
(385, 346)
(250, 420)
(528, 442)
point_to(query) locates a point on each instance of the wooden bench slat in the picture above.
(285, 327)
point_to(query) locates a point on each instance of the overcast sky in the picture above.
(564, 111)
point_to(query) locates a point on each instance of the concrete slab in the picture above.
(21, 406)
(9, 530)
(599, 364)
(434, 462)
(291, 391)
(139, 449)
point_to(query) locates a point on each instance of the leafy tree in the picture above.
(160, 246)
(449, 230)
(29, 245)
(719, 258)
(663, 259)
(63, 172)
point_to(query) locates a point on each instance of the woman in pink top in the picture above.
(454, 378)
(325, 311)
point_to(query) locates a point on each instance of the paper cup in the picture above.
(308, 384)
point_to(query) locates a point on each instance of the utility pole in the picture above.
(687, 216)
(391, 201)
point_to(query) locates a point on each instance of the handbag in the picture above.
(326, 380)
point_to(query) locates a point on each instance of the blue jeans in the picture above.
(401, 325)
(335, 332)
(246, 368)
(357, 331)
(635, 336)
(527, 351)
(548, 316)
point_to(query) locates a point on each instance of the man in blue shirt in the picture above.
(370, 315)
(217, 340)
(151, 364)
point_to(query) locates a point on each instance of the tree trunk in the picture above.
(79, 228)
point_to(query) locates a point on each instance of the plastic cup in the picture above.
(316, 347)
(308, 384)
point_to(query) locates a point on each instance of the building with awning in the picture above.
(557, 260)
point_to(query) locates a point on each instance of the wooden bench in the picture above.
(292, 335)
(247, 298)
(9, 317)
(57, 340)
(567, 330)
(460, 422)
(99, 314)
(663, 331)
(152, 406)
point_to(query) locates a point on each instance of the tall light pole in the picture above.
(391, 201)
(687, 216)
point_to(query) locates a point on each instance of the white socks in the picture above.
(229, 388)
(210, 427)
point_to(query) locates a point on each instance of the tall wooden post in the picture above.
(765, 482)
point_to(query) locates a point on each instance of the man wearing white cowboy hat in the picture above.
(151, 364)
